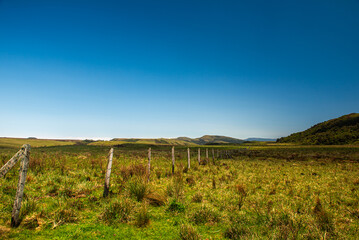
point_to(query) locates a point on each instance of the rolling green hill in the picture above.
(211, 139)
(18, 142)
(205, 140)
(338, 131)
(152, 141)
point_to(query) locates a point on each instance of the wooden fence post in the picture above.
(149, 164)
(173, 160)
(207, 155)
(189, 158)
(199, 156)
(21, 185)
(11, 163)
(108, 174)
(213, 156)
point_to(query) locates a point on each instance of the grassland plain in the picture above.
(260, 192)
(18, 142)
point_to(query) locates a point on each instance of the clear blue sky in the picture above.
(104, 69)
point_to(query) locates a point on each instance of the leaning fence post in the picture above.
(189, 158)
(20, 186)
(149, 164)
(108, 173)
(173, 160)
(11, 163)
(199, 156)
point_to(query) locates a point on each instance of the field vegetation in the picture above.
(247, 192)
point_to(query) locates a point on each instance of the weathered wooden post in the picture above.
(199, 156)
(213, 156)
(11, 163)
(149, 164)
(20, 186)
(189, 159)
(207, 155)
(173, 160)
(217, 153)
(108, 174)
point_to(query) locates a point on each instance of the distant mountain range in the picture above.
(342, 130)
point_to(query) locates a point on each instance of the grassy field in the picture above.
(18, 142)
(260, 192)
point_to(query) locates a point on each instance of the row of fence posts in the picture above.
(110, 157)
(24, 155)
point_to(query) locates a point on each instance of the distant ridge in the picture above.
(261, 139)
(211, 139)
(204, 140)
(338, 131)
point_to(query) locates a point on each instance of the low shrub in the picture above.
(138, 188)
(156, 199)
(187, 232)
(205, 215)
(142, 218)
(241, 193)
(117, 211)
(176, 206)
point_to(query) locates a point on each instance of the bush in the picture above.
(205, 215)
(138, 170)
(138, 188)
(242, 194)
(142, 217)
(187, 232)
(118, 211)
(176, 207)
(156, 199)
